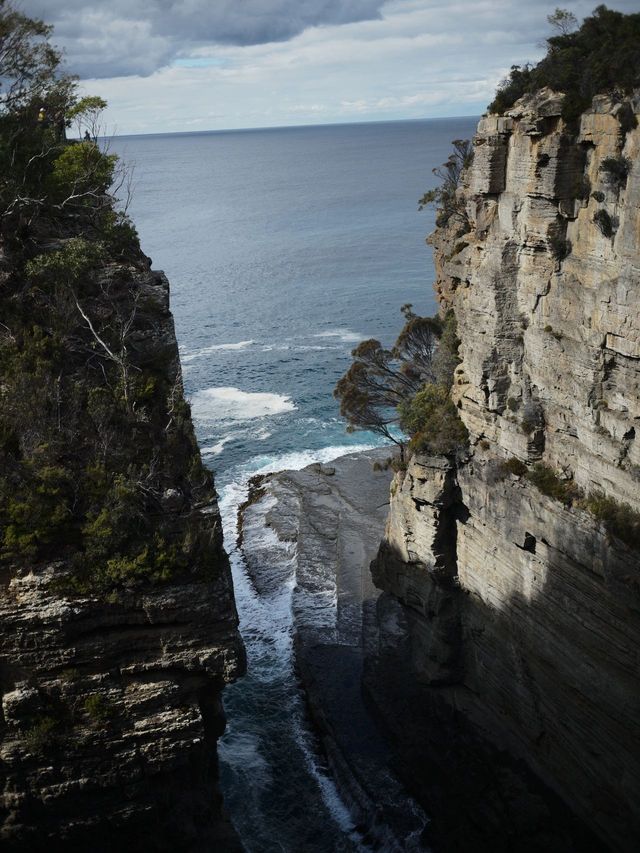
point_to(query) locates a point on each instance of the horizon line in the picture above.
(287, 126)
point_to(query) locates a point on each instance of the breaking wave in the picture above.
(200, 353)
(346, 336)
(232, 404)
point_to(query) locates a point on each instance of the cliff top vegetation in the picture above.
(601, 56)
(95, 436)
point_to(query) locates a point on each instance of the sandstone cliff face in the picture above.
(111, 703)
(519, 612)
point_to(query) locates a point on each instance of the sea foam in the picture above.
(203, 351)
(231, 404)
(346, 336)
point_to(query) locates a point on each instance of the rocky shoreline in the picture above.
(415, 773)
(332, 515)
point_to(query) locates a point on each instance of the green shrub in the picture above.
(38, 514)
(602, 56)
(433, 422)
(120, 236)
(41, 738)
(98, 708)
(82, 171)
(547, 481)
(513, 404)
(67, 265)
(597, 195)
(619, 519)
(446, 358)
(398, 464)
(513, 466)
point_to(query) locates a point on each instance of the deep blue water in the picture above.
(284, 248)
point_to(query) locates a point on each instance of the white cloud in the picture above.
(416, 58)
(86, 28)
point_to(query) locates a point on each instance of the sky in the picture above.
(189, 65)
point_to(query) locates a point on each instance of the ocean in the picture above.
(284, 248)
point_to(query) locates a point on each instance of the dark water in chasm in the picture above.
(284, 248)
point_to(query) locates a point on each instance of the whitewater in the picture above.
(284, 248)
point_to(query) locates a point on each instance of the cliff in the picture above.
(118, 624)
(511, 612)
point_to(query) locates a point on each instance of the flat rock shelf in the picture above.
(332, 517)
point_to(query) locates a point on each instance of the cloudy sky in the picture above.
(175, 65)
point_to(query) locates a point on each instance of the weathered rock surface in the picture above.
(111, 706)
(334, 513)
(514, 618)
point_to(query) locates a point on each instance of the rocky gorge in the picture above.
(461, 619)
(499, 666)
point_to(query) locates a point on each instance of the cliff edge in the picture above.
(118, 623)
(512, 573)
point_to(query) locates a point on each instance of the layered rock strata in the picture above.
(517, 612)
(111, 702)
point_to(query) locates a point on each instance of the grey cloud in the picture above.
(123, 37)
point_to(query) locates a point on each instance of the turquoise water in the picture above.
(284, 248)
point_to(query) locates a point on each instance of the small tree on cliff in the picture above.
(407, 386)
(42, 175)
(444, 196)
(380, 380)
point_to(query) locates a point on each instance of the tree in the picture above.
(379, 380)
(86, 115)
(93, 430)
(28, 62)
(40, 171)
(444, 197)
(563, 21)
(602, 56)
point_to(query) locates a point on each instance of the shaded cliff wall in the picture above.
(111, 683)
(520, 613)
